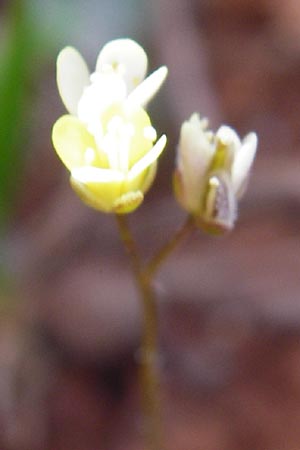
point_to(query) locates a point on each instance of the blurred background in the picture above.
(229, 307)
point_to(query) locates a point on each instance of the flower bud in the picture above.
(211, 172)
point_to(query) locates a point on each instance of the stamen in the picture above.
(117, 142)
(109, 145)
(214, 182)
(150, 133)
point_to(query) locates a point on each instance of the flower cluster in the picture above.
(211, 172)
(110, 147)
(107, 142)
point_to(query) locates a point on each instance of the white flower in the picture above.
(107, 140)
(211, 172)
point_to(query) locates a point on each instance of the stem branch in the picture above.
(148, 354)
(167, 249)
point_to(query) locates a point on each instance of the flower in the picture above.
(211, 172)
(107, 140)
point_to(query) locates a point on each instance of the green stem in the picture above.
(168, 248)
(130, 245)
(148, 353)
(149, 368)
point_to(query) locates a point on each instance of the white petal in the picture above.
(195, 153)
(96, 175)
(228, 145)
(227, 136)
(72, 76)
(196, 147)
(104, 90)
(243, 161)
(143, 93)
(148, 159)
(127, 58)
(199, 122)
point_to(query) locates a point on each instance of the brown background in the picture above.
(229, 307)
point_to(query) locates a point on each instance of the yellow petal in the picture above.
(141, 182)
(140, 143)
(73, 143)
(149, 176)
(100, 196)
(138, 119)
(149, 158)
(109, 193)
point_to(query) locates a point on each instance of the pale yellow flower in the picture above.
(211, 172)
(107, 140)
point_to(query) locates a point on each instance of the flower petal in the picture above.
(148, 178)
(104, 90)
(144, 92)
(97, 175)
(100, 196)
(148, 159)
(227, 146)
(72, 76)
(71, 141)
(135, 127)
(228, 136)
(111, 191)
(243, 162)
(98, 188)
(125, 57)
(196, 149)
(195, 154)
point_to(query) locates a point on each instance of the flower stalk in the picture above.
(111, 150)
(148, 355)
(162, 254)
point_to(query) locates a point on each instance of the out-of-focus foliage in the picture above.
(16, 57)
